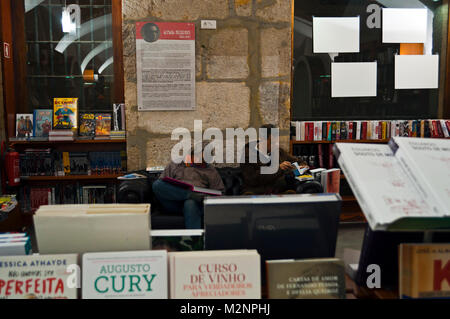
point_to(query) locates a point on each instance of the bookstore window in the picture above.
(312, 71)
(69, 53)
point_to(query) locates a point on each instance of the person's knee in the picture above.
(156, 186)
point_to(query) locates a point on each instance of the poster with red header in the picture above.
(165, 64)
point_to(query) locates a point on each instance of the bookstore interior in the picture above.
(224, 149)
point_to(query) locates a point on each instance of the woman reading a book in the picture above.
(177, 199)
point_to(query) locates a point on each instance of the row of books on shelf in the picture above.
(33, 197)
(315, 155)
(369, 130)
(60, 123)
(48, 162)
(221, 274)
(158, 274)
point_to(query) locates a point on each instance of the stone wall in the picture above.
(243, 71)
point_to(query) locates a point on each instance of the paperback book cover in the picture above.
(125, 275)
(37, 277)
(65, 113)
(216, 274)
(102, 124)
(306, 279)
(87, 124)
(24, 125)
(42, 123)
(424, 271)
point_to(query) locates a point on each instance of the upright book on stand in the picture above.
(388, 197)
(427, 164)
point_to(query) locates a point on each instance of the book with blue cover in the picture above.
(42, 122)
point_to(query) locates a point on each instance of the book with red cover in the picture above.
(364, 130)
(439, 129)
(333, 180)
(350, 130)
(435, 132)
(320, 153)
(330, 156)
(191, 187)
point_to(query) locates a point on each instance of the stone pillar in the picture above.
(243, 71)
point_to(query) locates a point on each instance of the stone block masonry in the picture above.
(243, 71)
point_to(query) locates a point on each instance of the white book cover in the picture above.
(215, 275)
(38, 277)
(358, 130)
(125, 275)
(444, 128)
(427, 162)
(384, 192)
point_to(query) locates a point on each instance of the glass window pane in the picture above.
(55, 66)
(312, 72)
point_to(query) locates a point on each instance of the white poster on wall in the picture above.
(165, 65)
(416, 71)
(405, 25)
(336, 35)
(354, 79)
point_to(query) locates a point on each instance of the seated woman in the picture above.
(178, 200)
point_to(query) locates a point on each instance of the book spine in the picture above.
(324, 131)
(338, 131)
(444, 128)
(350, 131)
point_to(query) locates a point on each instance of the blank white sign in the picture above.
(405, 25)
(354, 79)
(336, 35)
(416, 71)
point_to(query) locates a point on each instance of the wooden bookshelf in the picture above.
(341, 141)
(69, 177)
(40, 143)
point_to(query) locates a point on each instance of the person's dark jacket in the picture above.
(254, 181)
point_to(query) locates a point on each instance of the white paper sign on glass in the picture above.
(336, 35)
(405, 25)
(351, 79)
(416, 71)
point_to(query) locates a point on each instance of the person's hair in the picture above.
(269, 128)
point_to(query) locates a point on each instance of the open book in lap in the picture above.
(191, 187)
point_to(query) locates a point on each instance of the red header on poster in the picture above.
(167, 30)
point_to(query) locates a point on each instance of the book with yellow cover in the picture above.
(65, 113)
(424, 271)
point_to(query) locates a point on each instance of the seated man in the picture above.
(178, 200)
(280, 182)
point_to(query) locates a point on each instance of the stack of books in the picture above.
(118, 135)
(60, 135)
(369, 130)
(14, 244)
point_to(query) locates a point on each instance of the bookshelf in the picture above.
(50, 143)
(69, 178)
(68, 188)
